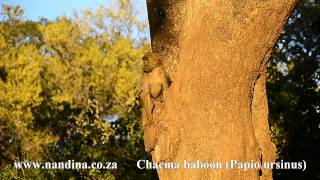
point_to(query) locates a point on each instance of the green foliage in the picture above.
(68, 91)
(293, 91)
(8, 172)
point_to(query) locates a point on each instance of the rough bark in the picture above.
(215, 52)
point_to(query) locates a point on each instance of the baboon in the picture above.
(154, 83)
(158, 138)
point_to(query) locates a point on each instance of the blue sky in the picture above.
(50, 9)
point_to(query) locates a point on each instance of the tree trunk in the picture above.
(215, 52)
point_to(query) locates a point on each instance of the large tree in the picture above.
(216, 109)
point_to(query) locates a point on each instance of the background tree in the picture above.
(69, 91)
(293, 91)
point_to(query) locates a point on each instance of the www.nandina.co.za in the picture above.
(70, 164)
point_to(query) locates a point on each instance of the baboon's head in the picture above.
(150, 61)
